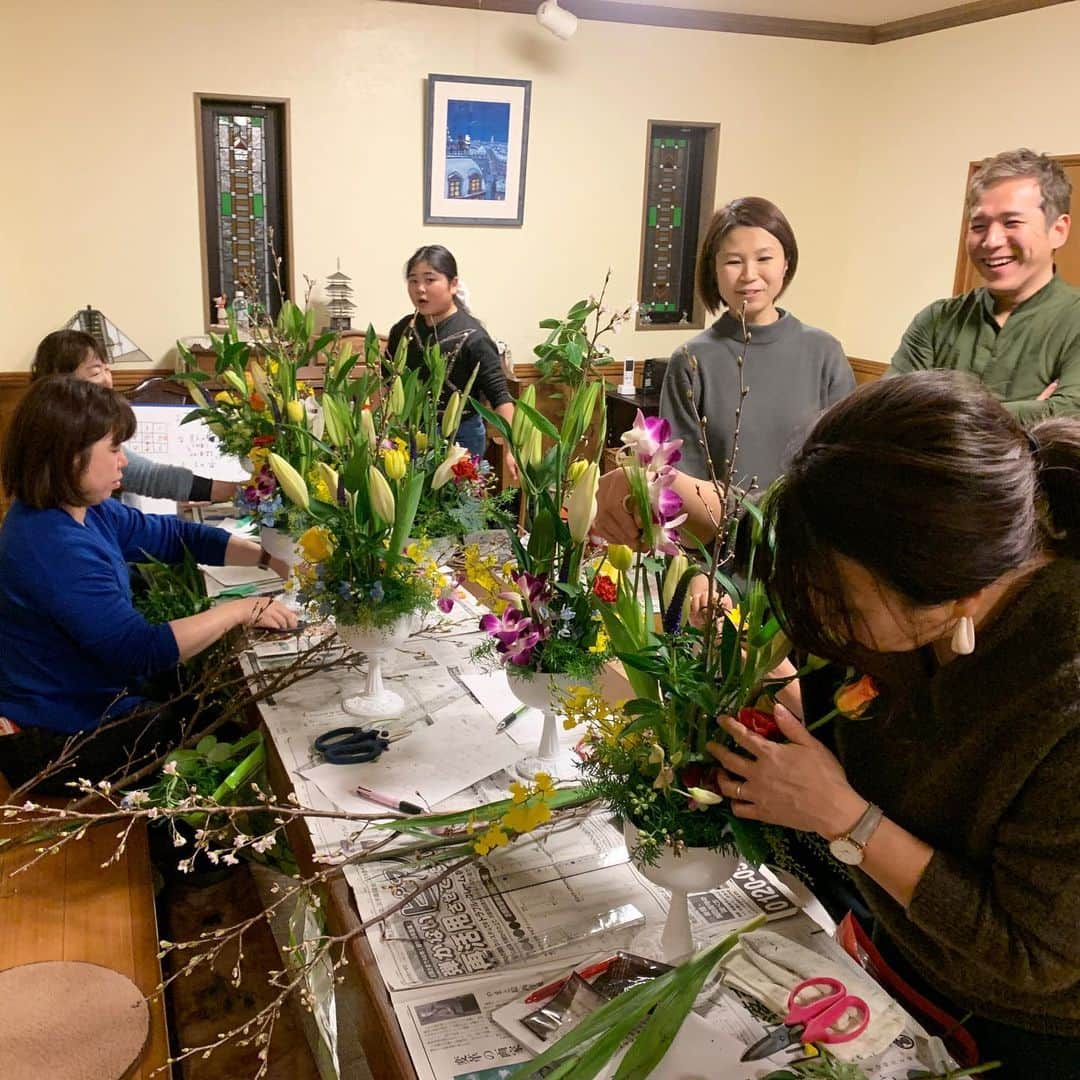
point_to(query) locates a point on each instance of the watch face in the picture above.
(844, 849)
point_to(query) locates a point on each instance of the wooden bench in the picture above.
(70, 907)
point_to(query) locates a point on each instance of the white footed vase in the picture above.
(696, 870)
(376, 643)
(543, 692)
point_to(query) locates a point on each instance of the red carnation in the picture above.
(605, 589)
(263, 440)
(760, 723)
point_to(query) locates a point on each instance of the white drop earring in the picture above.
(963, 638)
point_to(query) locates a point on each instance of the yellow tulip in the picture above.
(295, 412)
(396, 463)
(581, 505)
(620, 556)
(292, 483)
(382, 497)
(421, 441)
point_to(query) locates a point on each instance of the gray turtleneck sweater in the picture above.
(792, 371)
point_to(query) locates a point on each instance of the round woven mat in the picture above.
(69, 1021)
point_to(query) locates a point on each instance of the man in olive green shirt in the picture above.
(1020, 335)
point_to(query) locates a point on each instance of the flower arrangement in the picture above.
(544, 617)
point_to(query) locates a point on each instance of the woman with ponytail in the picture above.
(924, 537)
(441, 317)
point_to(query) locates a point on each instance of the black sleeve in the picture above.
(394, 336)
(479, 349)
(200, 489)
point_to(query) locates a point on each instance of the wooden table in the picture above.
(379, 1032)
(71, 907)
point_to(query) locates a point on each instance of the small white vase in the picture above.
(543, 692)
(376, 643)
(696, 870)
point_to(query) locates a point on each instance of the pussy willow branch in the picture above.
(212, 680)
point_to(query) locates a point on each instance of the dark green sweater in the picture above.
(1039, 344)
(985, 766)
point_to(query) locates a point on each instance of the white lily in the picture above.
(292, 483)
(446, 469)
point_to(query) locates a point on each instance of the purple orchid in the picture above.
(515, 633)
(649, 439)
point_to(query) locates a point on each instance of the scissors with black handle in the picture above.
(354, 745)
(819, 1011)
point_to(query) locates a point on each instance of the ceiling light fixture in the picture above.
(559, 21)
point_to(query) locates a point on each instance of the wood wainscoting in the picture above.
(13, 385)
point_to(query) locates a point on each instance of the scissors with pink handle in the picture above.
(819, 1011)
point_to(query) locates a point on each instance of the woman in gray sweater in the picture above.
(790, 371)
(73, 352)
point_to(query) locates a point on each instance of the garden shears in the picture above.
(354, 745)
(819, 1011)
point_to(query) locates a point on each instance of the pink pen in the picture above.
(388, 801)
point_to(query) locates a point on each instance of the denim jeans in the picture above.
(472, 434)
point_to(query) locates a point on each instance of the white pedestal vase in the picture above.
(376, 643)
(696, 870)
(543, 692)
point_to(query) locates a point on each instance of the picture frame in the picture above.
(475, 150)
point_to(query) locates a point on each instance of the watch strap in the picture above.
(264, 559)
(866, 826)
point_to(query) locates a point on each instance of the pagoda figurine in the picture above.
(339, 290)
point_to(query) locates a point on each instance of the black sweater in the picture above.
(465, 344)
(984, 764)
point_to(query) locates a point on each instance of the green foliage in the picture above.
(170, 591)
(660, 1006)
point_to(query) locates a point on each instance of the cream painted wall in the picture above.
(103, 205)
(866, 149)
(938, 103)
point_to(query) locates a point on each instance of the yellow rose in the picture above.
(316, 544)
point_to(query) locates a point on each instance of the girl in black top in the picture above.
(441, 317)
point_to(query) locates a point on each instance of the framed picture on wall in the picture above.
(476, 139)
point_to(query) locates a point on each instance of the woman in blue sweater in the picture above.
(73, 649)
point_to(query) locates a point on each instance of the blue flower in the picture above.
(377, 592)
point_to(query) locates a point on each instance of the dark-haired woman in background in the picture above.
(72, 646)
(74, 352)
(792, 371)
(924, 537)
(441, 317)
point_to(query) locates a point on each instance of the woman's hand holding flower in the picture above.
(798, 783)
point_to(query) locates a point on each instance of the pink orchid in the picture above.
(648, 440)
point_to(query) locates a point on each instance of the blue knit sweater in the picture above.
(72, 646)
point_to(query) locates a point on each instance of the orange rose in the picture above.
(257, 403)
(854, 699)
